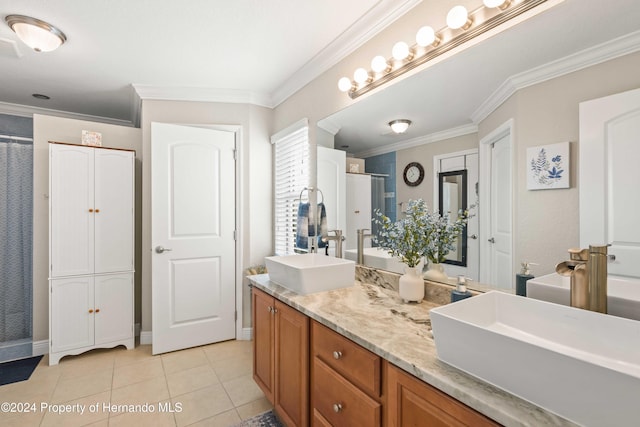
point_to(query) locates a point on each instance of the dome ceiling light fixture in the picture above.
(38, 35)
(399, 125)
(462, 26)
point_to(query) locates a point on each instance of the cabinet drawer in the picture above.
(353, 362)
(338, 402)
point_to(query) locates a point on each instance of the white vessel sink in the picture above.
(309, 273)
(377, 258)
(623, 294)
(581, 365)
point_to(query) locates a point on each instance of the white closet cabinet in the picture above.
(91, 244)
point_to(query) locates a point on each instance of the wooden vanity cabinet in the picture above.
(346, 384)
(411, 402)
(314, 376)
(281, 357)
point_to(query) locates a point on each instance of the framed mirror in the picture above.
(452, 197)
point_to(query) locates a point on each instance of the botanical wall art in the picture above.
(548, 166)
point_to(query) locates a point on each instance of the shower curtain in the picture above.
(16, 240)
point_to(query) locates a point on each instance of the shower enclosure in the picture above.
(16, 241)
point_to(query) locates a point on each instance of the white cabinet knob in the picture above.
(337, 354)
(337, 407)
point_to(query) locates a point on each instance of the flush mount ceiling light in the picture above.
(38, 35)
(462, 27)
(399, 125)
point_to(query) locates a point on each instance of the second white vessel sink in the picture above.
(581, 365)
(309, 273)
(377, 258)
(623, 294)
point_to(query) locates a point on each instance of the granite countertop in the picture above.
(372, 314)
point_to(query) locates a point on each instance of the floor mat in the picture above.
(267, 419)
(18, 370)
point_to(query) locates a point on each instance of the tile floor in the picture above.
(205, 386)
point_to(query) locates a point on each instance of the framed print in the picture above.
(548, 166)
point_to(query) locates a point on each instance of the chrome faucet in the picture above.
(338, 238)
(587, 269)
(360, 249)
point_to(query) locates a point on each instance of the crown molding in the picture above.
(421, 140)
(29, 111)
(612, 49)
(202, 94)
(379, 17)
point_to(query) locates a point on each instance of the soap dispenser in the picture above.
(522, 277)
(460, 292)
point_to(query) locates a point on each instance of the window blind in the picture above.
(291, 170)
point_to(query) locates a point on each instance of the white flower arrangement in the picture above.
(421, 233)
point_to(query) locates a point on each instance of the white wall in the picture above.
(256, 181)
(47, 128)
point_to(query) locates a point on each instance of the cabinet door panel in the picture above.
(263, 342)
(71, 199)
(72, 316)
(292, 365)
(113, 307)
(114, 210)
(412, 402)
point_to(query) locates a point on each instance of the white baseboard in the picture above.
(40, 347)
(146, 337)
(247, 334)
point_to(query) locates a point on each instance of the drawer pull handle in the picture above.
(337, 407)
(337, 354)
(90, 311)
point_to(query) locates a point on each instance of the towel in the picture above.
(306, 225)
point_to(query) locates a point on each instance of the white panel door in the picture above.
(72, 313)
(358, 208)
(609, 178)
(113, 307)
(193, 219)
(500, 237)
(332, 182)
(113, 213)
(71, 216)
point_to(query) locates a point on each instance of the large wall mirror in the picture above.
(455, 103)
(452, 198)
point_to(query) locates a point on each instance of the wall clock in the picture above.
(413, 174)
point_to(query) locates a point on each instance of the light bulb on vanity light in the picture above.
(501, 4)
(401, 51)
(379, 64)
(344, 84)
(361, 76)
(458, 17)
(427, 36)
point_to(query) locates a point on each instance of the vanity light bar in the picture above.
(483, 19)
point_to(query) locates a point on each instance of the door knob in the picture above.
(492, 240)
(161, 249)
(473, 236)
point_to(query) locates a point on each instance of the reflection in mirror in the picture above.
(452, 197)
